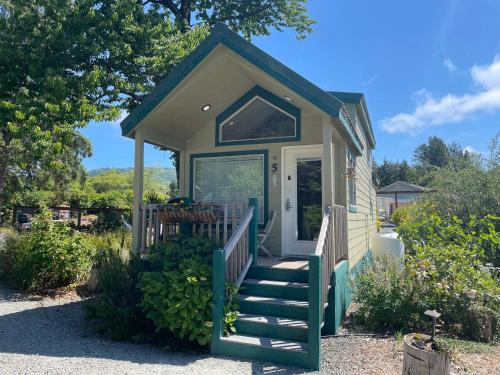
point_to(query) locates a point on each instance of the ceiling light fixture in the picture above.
(288, 98)
(206, 107)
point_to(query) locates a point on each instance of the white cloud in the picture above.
(117, 122)
(450, 65)
(370, 80)
(451, 108)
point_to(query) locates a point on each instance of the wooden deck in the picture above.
(290, 263)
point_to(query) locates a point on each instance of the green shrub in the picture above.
(423, 225)
(387, 298)
(483, 323)
(178, 290)
(117, 242)
(49, 256)
(167, 296)
(115, 312)
(394, 295)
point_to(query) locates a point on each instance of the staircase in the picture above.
(282, 304)
(273, 320)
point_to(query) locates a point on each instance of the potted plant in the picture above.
(422, 355)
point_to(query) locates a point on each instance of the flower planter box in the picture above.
(426, 361)
(191, 213)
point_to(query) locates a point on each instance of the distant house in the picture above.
(260, 142)
(398, 194)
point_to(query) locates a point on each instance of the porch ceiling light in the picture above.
(206, 107)
(288, 98)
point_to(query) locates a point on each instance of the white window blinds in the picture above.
(228, 179)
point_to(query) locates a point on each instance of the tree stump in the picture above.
(423, 361)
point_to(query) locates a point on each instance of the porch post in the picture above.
(182, 174)
(328, 196)
(138, 189)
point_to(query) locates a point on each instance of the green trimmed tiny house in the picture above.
(246, 127)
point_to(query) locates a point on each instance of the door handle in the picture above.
(288, 206)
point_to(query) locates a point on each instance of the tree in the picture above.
(434, 153)
(66, 62)
(250, 17)
(389, 172)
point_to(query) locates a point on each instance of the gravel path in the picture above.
(50, 336)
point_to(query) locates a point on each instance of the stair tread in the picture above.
(267, 342)
(272, 300)
(265, 319)
(275, 283)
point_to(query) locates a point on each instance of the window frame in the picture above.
(351, 182)
(243, 102)
(263, 153)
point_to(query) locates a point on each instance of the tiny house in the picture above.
(249, 129)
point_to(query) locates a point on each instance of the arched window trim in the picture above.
(239, 105)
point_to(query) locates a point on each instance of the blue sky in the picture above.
(429, 67)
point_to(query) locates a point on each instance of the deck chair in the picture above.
(262, 236)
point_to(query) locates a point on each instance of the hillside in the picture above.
(161, 175)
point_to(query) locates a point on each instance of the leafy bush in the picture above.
(178, 290)
(400, 215)
(115, 312)
(168, 295)
(49, 256)
(394, 295)
(423, 225)
(483, 323)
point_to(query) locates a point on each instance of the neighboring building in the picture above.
(246, 126)
(396, 195)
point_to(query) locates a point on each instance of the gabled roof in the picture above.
(221, 34)
(357, 98)
(402, 187)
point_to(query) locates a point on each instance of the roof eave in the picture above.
(223, 35)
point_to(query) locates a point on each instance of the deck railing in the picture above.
(155, 231)
(231, 264)
(331, 248)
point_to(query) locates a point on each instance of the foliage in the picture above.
(394, 295)
(483, 323)
(387, 298)
(178, 290)
(50, 256)
(400, 215)
(118, 243)
(115, 312)
(423, 225)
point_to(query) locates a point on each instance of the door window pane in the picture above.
(309, 212)
(229, 179)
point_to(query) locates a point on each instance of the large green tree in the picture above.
(64, 63)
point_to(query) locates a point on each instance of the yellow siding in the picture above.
(361, 224)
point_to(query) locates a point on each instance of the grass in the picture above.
(452, 345)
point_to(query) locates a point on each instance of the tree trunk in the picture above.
(4, 163)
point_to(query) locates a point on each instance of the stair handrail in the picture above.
(231, 264)
(319, 279)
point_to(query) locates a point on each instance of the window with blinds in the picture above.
(230, 179)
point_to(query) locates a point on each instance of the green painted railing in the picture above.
(230, 265)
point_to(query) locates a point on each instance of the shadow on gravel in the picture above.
(259, 368)
(61, 331)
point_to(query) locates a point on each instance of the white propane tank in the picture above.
(387, 244)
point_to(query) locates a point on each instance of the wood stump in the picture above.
(422, 361)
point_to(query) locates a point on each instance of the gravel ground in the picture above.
(50, 336)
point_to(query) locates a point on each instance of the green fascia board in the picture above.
(356, 98)
(258, 91)
(223, 35)
(265, 153)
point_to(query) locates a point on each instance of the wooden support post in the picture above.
(253, 230)
(218, 291)
(138, 189)
(79, 219)
(315, 312)
(327, 165)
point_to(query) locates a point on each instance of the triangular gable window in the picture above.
(260, 120)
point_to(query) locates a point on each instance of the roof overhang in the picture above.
(222, 36)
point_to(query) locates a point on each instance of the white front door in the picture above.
(301, 198)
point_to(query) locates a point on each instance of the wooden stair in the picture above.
(272, 324)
